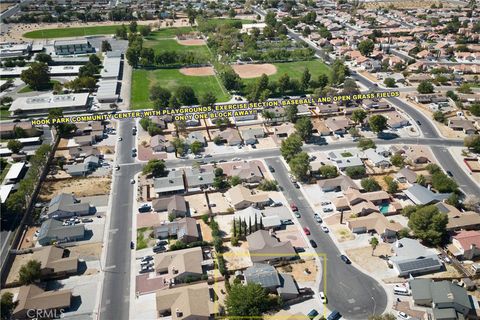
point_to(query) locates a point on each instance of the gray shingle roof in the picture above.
(263, 274)
(54, 229)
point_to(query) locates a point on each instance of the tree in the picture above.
(304, 128)
(207, 99)
(359, 115)
(7, 305)
(232, 13)
(300, 165)
(15, 146)
(392, 185)
(421, 180)
(145, 30)
(133, 26)
(247, 300)
(389, 82)
(155, 167)
(322, 81)
(121, 32)
(186, 95)
(328, 171)
(425, 87)
(43, 58)
(270, 19)
(453, 200)
(291, 113)
(364, 144)
(106, 46)
(268, 185)
(94, 59)
(465, 88)
(88, 70)
(29, 272)
(355, 172)
(373, 243)
(475, 109)
(220, 183)
(305, 80)
(339, 71)
(439, 116)
(472, 142)
(36, 76)
(196, 147)
(284, 83)
(428, 224)
(377, 123)
(291, 146)
(366, 47)
(370, 185)
(442, 183)
(160, 96)
(235, 180)
(397, 160)
(63, 129)
(133, 56)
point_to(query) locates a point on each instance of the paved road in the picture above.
(429, 130)
(116, 285)
(354, 294)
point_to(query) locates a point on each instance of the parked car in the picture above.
(132, 181)
(132, 245)
(313, 243)
(117, 167)
(312, 314)
(325, 203)
(345, 259)
(317, 218)
(306, 230)
(335, 315)
(403, 315)
(120, 138)
(145, 208)
(293, 207)
(147, 258)
(419, 123)
(207, 156)
(272, 169)
(236, 159)
(328, 209)
(325, 229)
(323, 297)
(286, 221)
(297, 214)
(158, 249)
(145, 269)
(197, 156)
(296, 185)
(276, 204)
(450, 173)
(84, 220)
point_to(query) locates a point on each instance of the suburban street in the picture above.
(116, 285)
(349, 291)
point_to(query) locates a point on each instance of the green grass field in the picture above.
(295, 70)
(220, 21)
(70, 32)
(173, 45)
(170, 79)
(168, 33)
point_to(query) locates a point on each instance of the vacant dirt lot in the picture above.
(198, 72)
(299, 273)
(192, 42)
(87, 252)
(371, 263)
(246, 71)
(81, 187)
(237, 257)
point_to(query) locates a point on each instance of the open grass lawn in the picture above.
(170, 79)
(70, 32)
(168, 33)
(4, 113)
(28, 89)
(173, 45)
(220, 21)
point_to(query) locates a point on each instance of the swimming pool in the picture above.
(383, 208)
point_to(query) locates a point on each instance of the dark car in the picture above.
(272, 169)
(158, 249)
(132, 245)
(296, 185)
(313, 243)
(345, 259)
(312, 314)
(450, 173)
(419, 123)
(335, 315)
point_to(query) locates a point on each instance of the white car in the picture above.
(120, 138)
(132, 181)
(323, 297)
(325, 229)
(403, 315)
(236, 159)
(325, 203)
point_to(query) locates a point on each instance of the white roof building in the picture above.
(14, 172)
(41, 104)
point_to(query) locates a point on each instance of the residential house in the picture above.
(375, 222)
(268, 277)
(378, 159)
(362, 204)
(467, 126)
(79, 153)
(270, 221)
(447, 300)
(412, 258)
(8, 129)
(395, 119)
(320, 127)
(465, 245)
(241, 198)
(344, 160)
(251, 135)
(34, 298)
(180, 264)
(341, 182)
(229, 136)
(55, 262)
(266, 248)
(54, 231)
(173, 183)
(199, 178)
(406, 175)
(417, 154)
(65, 205)
(185, 302)
(284, 130)
(159, 143)
(184, 229)
(249, 172)
(77, 170)
(196, 136)
(175, 205)
(338, 125)
(457, 220)
(421, 195)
